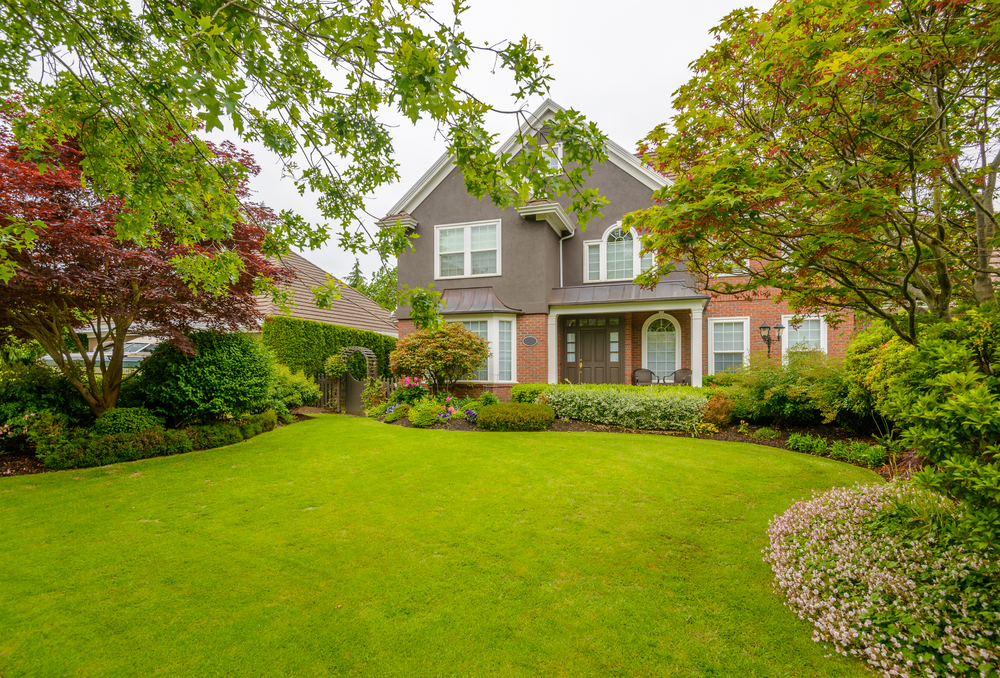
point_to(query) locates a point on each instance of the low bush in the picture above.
(907, 605)
(396, 412)
(641, 407)
(258, 423)
(78, 449)
(515, 417)
(471, 414)
(379, 410)
(26, 389)
(803, 442)
(210, 436)
(488, 398)
(425, 413)
(409, 390)
(765, 433)
(718, 410)
(126, 420)
(292, 390)
(526, 393)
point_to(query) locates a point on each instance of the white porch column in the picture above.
(696, 357)
(553, 340)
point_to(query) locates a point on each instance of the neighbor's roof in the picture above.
(352, 309)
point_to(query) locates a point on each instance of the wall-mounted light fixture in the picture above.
(765, 334)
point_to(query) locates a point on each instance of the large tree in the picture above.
(844, 153)
(311, 80)
(80, 274)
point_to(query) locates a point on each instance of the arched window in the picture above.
(615, 256)
(661, 344)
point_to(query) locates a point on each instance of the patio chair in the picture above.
(644, 377)
(677, 378)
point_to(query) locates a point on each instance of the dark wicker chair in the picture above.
(678, 378)
(644, 377)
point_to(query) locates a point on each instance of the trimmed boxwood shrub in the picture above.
(396, 413)
(126, 420)
(515, 417)
(643, 407)
(526, 393)
(305, 344)
(210, 436)
(425, 413)
(78, 450)
(231, 374)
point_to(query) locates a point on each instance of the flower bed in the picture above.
(907, 605)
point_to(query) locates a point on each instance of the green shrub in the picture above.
(488, 398)
(874, 364)
(285, 417)
(425, 413)
(446, 355)
(515, 417)
(765, 433)
(864, 454)
(82, 451)
(210, 436)
(803, 442)
(267, 419)
(231, 374)
(641, 407)
(526, 393)
(719, 409)
(126, 420)
(292, 390)
(305, 344)
(409, 390)
(35, 388)
(840, 451)
(379, 410)
(398, 412)
(808, 386)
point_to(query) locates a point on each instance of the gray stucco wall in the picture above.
(530, 249)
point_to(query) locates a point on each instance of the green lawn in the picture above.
(345, 547)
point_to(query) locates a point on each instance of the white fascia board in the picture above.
(551, 212)
(427, 183)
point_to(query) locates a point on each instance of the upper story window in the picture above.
(467, 250)
(615, 256)
(555, 163)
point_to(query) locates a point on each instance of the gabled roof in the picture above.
(352, 309)
(444, 165)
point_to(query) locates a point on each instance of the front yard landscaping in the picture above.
(341, 546)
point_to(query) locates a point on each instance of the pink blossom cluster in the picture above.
(907, 605)
(410, 382)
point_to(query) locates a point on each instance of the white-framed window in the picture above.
(661, 344)
(728, 343)
(500, 331)
(615, 256)
(810, 333)
(555, 163)
(469, 250)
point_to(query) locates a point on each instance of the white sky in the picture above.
(617, 62)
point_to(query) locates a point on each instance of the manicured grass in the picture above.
(345, 547)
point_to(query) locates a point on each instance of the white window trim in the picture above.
(678, 353)
(786, 320)
(603, 243)
(711, 338)
(467, 251)
(493, 329)
(557, 150)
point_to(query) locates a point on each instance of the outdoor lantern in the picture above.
(779, 328)
(765, 333)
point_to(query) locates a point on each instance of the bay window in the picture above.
(499, 331)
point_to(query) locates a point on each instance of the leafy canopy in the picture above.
(843, 152)
(310, 80)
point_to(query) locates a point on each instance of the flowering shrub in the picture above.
(396, 412)
(446, 355)
(650, 408)
(907, 606)
(471, 415)
(425, 413)
(409, 390)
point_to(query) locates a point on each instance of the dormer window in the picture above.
(467, 250)
(615, 256)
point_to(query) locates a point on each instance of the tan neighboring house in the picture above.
(352, 309)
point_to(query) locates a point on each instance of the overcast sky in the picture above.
(617, 62)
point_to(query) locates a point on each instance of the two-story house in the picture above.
(557, 302)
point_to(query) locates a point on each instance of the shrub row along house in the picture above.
(557, 302)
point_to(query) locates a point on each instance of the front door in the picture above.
(594, 356)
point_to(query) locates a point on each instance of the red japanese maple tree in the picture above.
(81, 274)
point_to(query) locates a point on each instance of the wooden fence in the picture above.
(333, 394)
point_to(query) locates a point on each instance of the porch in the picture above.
(605, 345)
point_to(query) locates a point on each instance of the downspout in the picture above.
(571, 234)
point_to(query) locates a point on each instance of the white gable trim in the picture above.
(433, 177)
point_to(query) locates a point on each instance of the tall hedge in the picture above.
(305, 344)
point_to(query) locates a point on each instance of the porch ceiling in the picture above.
(621, 293)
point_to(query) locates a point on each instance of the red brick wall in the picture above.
(532, 361)
(683, 318)
(763, 309)
(406, 328)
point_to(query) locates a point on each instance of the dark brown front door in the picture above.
(594, 356)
